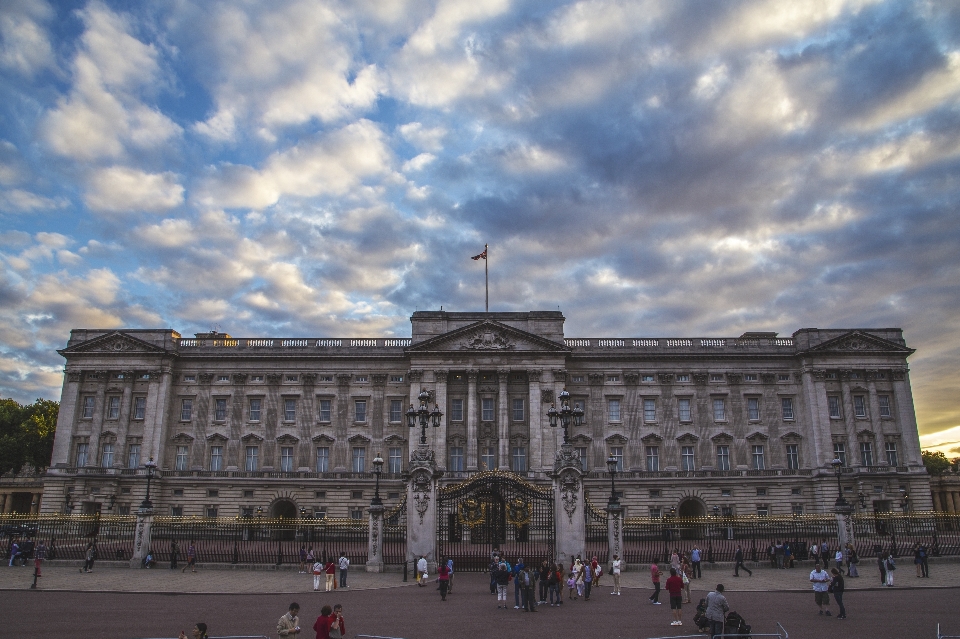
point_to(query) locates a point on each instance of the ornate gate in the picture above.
(495, 510)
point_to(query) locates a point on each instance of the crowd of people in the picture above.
(325, 567)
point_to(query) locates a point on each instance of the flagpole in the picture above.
(486, 275)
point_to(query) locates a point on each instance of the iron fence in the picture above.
(595, 533)
(67, 536)
(395, 534)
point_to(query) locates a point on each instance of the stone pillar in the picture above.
(440, 399)
(844, 516)
(568, 505)
(35, 503)
(422, 506)
(906, 418)
(473, 460)
(953, 501)
(66, 419)
(503, 420)
(535, 421)
(341, 446)
(614, 531)
(5, 500)
(936, 500)
(141, 538)
(375, 538)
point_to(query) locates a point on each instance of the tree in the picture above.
(935, 461)
(26, 434)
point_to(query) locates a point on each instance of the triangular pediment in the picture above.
(115, 343)
(860, 342)
(488, 336)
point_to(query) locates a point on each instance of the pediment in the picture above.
(116, 343)
(323, 439)
(722, 437)
(488, 336)
(182, 438)
(217, 437)
(860, 342)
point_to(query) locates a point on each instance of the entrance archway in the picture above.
(691, 507)
(283, 508)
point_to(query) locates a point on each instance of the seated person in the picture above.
(149, 561)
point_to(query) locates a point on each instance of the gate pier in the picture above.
(422, 496)
(569, 504)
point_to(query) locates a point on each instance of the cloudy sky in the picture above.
(297, 168)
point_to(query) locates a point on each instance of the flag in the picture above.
(482, 256)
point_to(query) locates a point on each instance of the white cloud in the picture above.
(418, 163)
(20, 201)
(169, 233)
(120, 189)
(24, 41)
(429, 139)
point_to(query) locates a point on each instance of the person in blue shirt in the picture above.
(517, 569)
(695, 558)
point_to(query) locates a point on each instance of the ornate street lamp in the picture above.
(565, 414)
(151, 468)
(861, 497)
(424, 414)
(612, 469)
(377, 469)
(838, 469)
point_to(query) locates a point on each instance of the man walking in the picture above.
(738, 557)
(517, 587)
(655, 577)
(924, 566)
(191, 558)
(344, 565)
(717, 608)
(317, 573)
(821, 582)
(421, 570)
(695, 557)
(289, 624)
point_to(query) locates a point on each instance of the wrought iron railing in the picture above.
(595, 538)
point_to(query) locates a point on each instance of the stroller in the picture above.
(736, 625)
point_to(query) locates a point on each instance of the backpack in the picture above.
(526, 578)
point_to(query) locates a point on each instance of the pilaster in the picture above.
(503, 420)
(472, 420)
(535, 420)
(375, 539)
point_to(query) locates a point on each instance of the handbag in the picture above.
(335, 630)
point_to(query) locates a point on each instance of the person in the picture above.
(675, 559)
(615, 567)
(543, 582)
(492, 569)
(882, 565)
(39, 556)
(449, 575)
(322, 625)
(717, 608)
(344, 566)
(443, 576)
(588, 577)
(14, 551)
(317, 573)
(174, 552)
(655, 577)
(90, 556)
(890, 565)
(787, 555)
(836, 587)
(695, 557)
(852, 561)
(572, 586)
(421, 570)
(778, 552)
(838, 558)
(924, 562)
(149, 561)
(553, 586)
(330, 570)
(814, 551)
(674, 587)
(191, 558)
(289, 624)
(825, 553)
(821, 584)
(338, 629)
(685, 576)
(310, 557)
(596, 571)
(517, 587)
(199, 632)
(529, 578)
(303, 560)
(502, 578)
(579, 573)
(738, 557)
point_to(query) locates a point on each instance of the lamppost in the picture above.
(377, 469)
(861, 498)
(841, 503)
(904, 501)
(565, 414)
(151, 468)
(612, 469)
(425, 415)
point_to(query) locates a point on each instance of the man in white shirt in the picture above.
(821, 582)
(344, 565)
(421, 570)
(615, 566)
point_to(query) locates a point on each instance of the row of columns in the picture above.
(946, 500)
(6, 502)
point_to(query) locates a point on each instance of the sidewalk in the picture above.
(115, 578)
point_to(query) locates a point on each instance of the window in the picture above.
(319, 513)
(289, 410)
(786, 407)
(613, 379)
(189, 378)
(324, 415)
(323, 459)
(793, 456)
(256, 378)
(220, 410)
(654, 493)
(251, 463)
(81, 455)
(361, 378)
(646, 378)
(617, 453)
(106, 459)
(223, 378)
(176, 511)
(360, 406)
(181, 461)
(750, 377)
(216, 458)
(891, 448)
(687, 459)
(762, 510)
(292, 379)
(396, 410)
(577, 378)
(211, 511)
(395, 460)
(884, 402)
(88, 403)
(248, 494)
(396, 378)
(518, 410)
(139, 407)
(714, 377)
(613, 410)
(723, 458)
(356, 494)
(582, 454)
(649, 410)
(286, 459)
(656, 512)
(832, 375)
(133, 456)
(113, 407)
(719, 410)
(486, 409)
(797, 509)
(123, 510)
(489, 457)
(359, 455)
(761, 492)
(840, 452)
(753, 409)
(783, 378)
(519, 459)
(796, 490)
(356, 513)
(859, 406)
(866, 454)
(757, 455)
(456, 410)
(213, 492)
(725, 492)
(683, 378)
(186, 410)
(833, 404)
(456, 459)
(255, 404)
(653, 458)
(683, 409)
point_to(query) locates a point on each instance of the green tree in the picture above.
(26, 434)
(935, 461)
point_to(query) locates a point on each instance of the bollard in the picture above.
(404, 571)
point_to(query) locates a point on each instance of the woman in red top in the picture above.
(322, 624)
(674, 586)
(595, 571)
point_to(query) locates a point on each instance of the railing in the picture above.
(296, 342)
(595, 521)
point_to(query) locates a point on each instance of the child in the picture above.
(571, 586)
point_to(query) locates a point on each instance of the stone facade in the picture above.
(745, 425)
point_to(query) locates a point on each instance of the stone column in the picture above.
(422, 506)
(440, 399)
(66, 419)
(906, 418)
(953, 501)
(35, 503)
(341, 447)
(155, 424)
(503, 420)
(568, 505)
(6, 499)
(375, 539)
(936, 500)
(844, 515)
(535, 421)
(472, 420)
(96, 425)
(614, 531)
(141, 538)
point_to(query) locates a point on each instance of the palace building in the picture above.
(288, 427)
